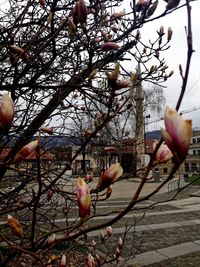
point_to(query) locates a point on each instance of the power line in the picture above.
(181, 113)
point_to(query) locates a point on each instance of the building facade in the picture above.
(192, 162)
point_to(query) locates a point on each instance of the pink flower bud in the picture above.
(93, 244)
(63, 261)
(117, 252)
(26, 150)
(46, 130)
(83, 197)
(90, 261)
(169, 34)
(109, 230)
(108, 46)
(120, 243)
(98, 259)
(15, 226)
(178, 133)
(171, 4)
(142, 5)
(6, 112)
(19, 51)
(87, 133)
(163, 154)
(102, 236)
(124, 84)
(118, 15)
(42, 2)
(109, 149)
(49, 195)
(109, 176)
(71, 27)
(51, 239)
(80, 12)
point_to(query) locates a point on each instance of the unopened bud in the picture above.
(161, 31)
(47, 130)
(120, 243)
(93, 244)
(42, 2)
(102, 236)
(169, 34)
(98, 259)
(181, 69)
(109, 230)
(171, 73)
(51, 239)
(90, 261)
(108, 46)
(63, 261)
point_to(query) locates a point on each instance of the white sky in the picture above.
(177, 55)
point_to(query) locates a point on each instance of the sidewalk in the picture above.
(127, 188)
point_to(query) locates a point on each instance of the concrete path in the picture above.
(189, 205)
(159, 255)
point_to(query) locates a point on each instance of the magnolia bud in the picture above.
(102, 236)
(46, 130)
(161, 32)
(83, 197)
(6, 112)
(26, 150)
(98, 259)
(177, 134)
(169, 34)
(108, 46)
(49, 195)
(42, 2)
(90, 261)
(63, 261)
(120, 243)
(51, 239)
(93, 244)
(109, 230)
(15, 226)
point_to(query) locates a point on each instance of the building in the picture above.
(192, 162)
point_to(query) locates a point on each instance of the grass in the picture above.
(195, 179)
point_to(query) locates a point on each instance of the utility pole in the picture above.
(139, 133)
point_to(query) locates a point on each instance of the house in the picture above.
(192, 162)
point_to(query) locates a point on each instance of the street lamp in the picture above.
(145, 117)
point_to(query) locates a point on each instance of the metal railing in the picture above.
(178, 183)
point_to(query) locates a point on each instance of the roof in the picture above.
(32, 156)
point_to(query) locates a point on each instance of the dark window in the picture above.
(198, 152)
(165, 170)
(194, 152)
(194, 166)
(186, 166)
(193, 140)
(198, 140)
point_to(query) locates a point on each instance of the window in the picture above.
(165, 170)
(198, 140)
(193, 140)
(193, 166)
(186, 166)
(198, 152)
(194, 152)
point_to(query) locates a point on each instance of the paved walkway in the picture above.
(174, 234)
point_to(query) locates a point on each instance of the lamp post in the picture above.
(146, 117)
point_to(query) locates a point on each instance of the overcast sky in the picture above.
(177, 55)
